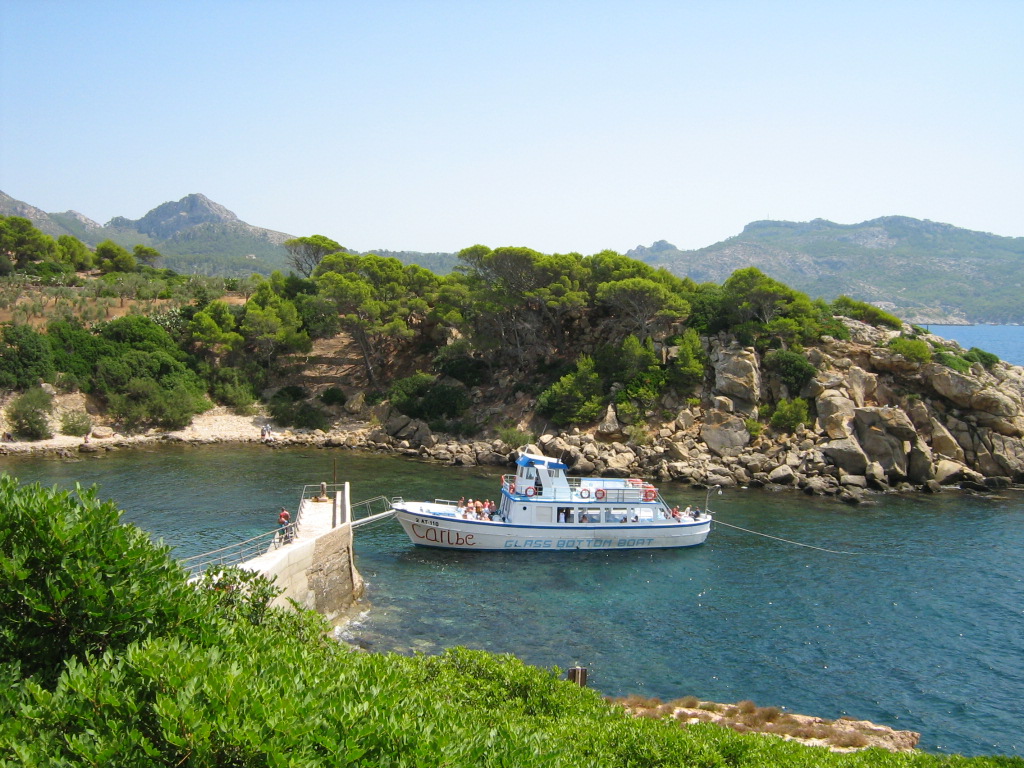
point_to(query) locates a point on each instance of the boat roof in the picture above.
(536, 460)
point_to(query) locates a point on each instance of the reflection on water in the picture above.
(922, 630)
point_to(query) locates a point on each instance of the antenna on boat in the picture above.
(707, 497)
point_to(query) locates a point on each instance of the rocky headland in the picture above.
(879, 422)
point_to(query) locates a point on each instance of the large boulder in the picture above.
(738, 375)
(846, 454)
(860, 384)
(944, 444)
(609, 428)
(835, 413)
(892, 421)
(885, 450)
(920, 467)
(954, 386)
(724, 433)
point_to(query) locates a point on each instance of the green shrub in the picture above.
(948, 359)
(76, 582)
(76, 423)
(976, 355)
(754, 427)
(687, 370)
(866, 313)
(576, 398)
(790, 414)
(913, 350)
(424, 396)
(515, 437)
(228, 386)
(292, 393)
(26, 357)
(144, 402)
(29, 415)
(637, 434)
(301, 414)
(792, 368)
(333, 396)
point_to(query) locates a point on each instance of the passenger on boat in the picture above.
(584, 518)
(676, 514)
(625, 519)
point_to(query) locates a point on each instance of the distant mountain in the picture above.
(194, 234)
(923, 271)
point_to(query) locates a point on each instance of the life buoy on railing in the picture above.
(511, 487)
(599, 494)
(530, 490)
(649, 494)
(584, 493)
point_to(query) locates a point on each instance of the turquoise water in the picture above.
(924, 629)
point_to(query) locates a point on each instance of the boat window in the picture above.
(542, 515)
(616, 515)
(564, 515)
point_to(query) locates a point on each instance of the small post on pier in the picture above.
(578, 675)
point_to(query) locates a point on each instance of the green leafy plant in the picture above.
(913, 350)
(754, 427)
(333, 396)
(515, 437)
(576, 398)
(976, 355)
(29, 415)
(948, 359)
(792, 368)
(76, 423)
(790, 414)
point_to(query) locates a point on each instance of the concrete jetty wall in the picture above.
(317, 568)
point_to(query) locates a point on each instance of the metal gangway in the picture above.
(361, 514)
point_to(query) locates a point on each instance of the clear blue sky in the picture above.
(563, 126)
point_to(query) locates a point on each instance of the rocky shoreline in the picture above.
(881, 423)
(844, 734)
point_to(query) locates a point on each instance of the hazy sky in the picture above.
(563, 126)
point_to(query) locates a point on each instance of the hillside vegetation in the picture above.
(110, 658)
(923, 271)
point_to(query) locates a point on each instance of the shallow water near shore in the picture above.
(923, 629)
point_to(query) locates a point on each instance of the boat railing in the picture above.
(610, 490)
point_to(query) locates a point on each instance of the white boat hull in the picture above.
(437, 525)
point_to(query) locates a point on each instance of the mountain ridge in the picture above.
(924, 271)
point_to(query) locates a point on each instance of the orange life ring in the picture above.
(584, 493)
(511, 487)
(530, 490)
(599, 494)
(649, 494)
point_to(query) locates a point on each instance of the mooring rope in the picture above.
(809, 546)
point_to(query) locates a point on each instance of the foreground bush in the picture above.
(109, 658)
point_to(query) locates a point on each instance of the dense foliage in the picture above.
(109, 657)
(579, 333)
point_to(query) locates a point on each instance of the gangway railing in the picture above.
(235, 554)
(363, 513)
(371, 511)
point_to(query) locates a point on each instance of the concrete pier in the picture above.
(317, 567)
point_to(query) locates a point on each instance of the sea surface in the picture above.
(1006, 341)
(908, 612)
